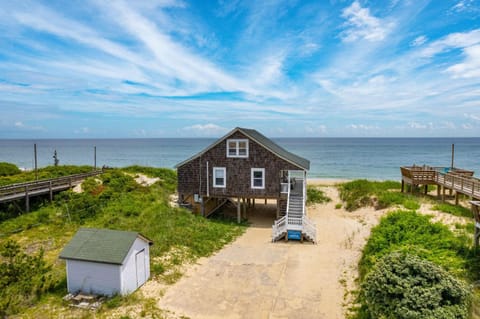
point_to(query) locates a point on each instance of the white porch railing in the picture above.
(292, 221)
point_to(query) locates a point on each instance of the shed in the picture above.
(106, 262)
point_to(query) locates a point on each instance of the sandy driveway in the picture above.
(254, 278)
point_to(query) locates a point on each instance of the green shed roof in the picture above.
(100, 245)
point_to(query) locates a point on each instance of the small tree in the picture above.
(404, 286)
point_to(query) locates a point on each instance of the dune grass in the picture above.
(118, 202)
(362, 193)
(316, 196)
(453, 209)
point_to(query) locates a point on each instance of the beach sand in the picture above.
(255, 278)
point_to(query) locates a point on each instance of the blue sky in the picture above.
(94, 69)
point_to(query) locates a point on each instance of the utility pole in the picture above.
(35, 156)
(453, 155)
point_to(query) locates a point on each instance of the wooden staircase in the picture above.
(295, 219)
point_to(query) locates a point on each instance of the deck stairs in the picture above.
(295, 218)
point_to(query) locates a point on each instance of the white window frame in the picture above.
(237, 148)
(224, 170)
(253, 170)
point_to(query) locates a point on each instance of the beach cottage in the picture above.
(106, 262)
(244, 166)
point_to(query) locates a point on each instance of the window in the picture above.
(258, 178)
(237, 148)
(219, 177)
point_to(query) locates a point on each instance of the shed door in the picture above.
(140, 265)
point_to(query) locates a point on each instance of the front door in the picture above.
(140, 264)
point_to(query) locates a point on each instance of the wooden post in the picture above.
(457, 195)
(202, 207)
(403, 185)
(239, 212)
(35, 156)
(439, 189)
(443, 194)
(244, 207)
(253, 203)
(426, 189)
(278, 209)
(265, 201)
(453, 155)
(27, 200)
(51, 190)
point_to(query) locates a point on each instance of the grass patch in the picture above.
(362, 193)
(44, 173)
(453, 209)
(118, 202)
(316, 196)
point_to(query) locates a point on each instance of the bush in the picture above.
(414, 233)
(23, 278)
(403, 286)
(316, 196)
(8, 169)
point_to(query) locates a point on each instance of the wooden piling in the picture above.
(27, 200)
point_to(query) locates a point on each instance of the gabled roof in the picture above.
(101, 245)
(263, 141)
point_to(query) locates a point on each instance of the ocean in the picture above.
(331, 158)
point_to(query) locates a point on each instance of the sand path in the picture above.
(254, 278)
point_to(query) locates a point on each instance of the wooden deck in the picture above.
(459, 180)
(26, 190)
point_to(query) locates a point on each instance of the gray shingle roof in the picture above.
(275, 148)
(262, 140)
(100, 245)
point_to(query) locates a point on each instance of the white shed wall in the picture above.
(94, 278)
(129, 267)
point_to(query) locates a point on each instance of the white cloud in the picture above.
(362, 25)
(467, 126)
(418, 41)
(472, 116)
(420, 126)
(316, 129)
(83, 130)
(457, 40)
(470, 67)
(363, 127)
(464, 5)
(19, 124)
(209, 129)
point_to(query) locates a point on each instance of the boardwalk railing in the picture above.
(46, 186)
(459, 180)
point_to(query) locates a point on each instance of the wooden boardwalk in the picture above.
(26, 190)
(459, 180)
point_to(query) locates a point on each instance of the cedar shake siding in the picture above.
(192, 174)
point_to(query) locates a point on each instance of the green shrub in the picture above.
(8, 169)
(414, 233)
(316, 196)
(403, 286)
(453, 209)
(338, 206)
(23, 278)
